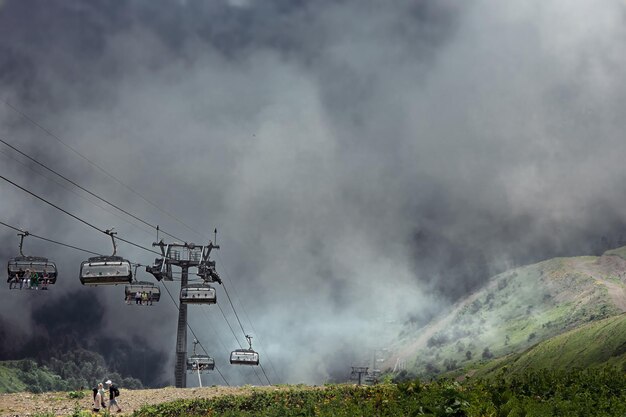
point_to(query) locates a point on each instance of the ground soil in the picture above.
(60, 403)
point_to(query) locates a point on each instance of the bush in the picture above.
(535, 393)
(76, 394)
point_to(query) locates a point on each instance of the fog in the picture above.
(364, 163)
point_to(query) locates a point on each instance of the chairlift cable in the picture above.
(49, 240)
(75, 193)
(234, 311)
(242, 329)
(237, 339)
(51, 134)
(217, 334)
(227, 276)
(229, 326)
(87, 191)
(76, 217)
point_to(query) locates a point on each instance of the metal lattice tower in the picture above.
(192, 256)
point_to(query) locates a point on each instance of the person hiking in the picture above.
(98, 401)
(102, 395)
(114, 392)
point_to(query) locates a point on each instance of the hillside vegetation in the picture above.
(69, 371)
(545, 393)
(25, 375)
(594, 345)
(593, 392)
(514, 311)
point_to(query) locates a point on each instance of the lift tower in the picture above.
(185, 256)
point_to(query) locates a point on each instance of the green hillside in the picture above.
(66, 372)
(596, 344)
(516, 310)
(10, 380)
(25, 375)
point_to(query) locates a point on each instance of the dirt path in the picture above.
(608, 265)
(60, 404)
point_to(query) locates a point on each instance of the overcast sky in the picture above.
(364, 162)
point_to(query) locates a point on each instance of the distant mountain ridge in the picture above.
(515, 310)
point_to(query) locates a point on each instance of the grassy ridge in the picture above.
(595, 344)
(516, 310)
(599, 392)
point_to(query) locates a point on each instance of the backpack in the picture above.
(116, 392)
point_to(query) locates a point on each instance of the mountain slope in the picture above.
(595, 344)
(515, 310)
(16, 376)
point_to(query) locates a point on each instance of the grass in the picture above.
(599, 392)
(10, 380)
(595, 344)
(621, 252)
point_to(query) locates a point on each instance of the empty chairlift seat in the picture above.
(17, 266)
(105, 270)
(152, 293)
(198, 294)
(200, 363)
(244, 357)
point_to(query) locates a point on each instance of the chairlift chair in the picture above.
(34, 264)
(200, 363)
(196, 293)
(43, 267)
(245, 356)
(106, 270)
(153, 291)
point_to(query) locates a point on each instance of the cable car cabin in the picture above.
(142, 292)
(43, 267)
(244, 357)
(198, 294)
(200, 363)
(105, 270)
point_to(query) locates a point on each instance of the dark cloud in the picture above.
(365, 163)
